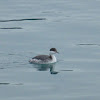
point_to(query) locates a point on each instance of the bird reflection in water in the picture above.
(45, 67)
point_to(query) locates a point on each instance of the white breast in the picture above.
(53, 59)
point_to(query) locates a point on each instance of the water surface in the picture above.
(29, 28)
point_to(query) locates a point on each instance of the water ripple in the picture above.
(4, 83)
(11, 28)
(89, 44)
(67, 70)
(22, 19)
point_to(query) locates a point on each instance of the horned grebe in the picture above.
(45, 59)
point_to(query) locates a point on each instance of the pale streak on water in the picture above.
(31, 27)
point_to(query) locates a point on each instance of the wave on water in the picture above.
(4, 83)
(26, 19)
(11, 28)
(89, 44)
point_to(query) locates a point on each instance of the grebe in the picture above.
(45, 59)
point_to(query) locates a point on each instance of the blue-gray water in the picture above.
(71, 26)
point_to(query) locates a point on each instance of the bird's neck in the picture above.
(52, 56)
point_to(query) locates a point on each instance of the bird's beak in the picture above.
(57, 52)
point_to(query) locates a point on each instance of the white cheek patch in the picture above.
(52, 52)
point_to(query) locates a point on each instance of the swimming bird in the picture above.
(45, 59)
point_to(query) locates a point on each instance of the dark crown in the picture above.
(53, 49)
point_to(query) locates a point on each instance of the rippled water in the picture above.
(32, 27)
